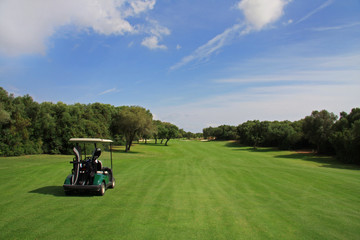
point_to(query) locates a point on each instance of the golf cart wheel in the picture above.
(112, 183)
(102, 189)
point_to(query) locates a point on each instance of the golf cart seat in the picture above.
(96, 154)
(99, 165)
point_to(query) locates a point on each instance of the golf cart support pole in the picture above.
(111, 156)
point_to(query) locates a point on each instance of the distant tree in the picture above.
(283, 135)
(172, 131)
(208, 132)
(182, 133)
(162, 131)
(223, 132)
(318, 128)
(148, 131)
(346, 137)
(199, 135)
(253, 132)
(227, 132)
(157, 129)
(4, 115)
(130, 121)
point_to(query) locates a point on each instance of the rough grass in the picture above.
(188, 190)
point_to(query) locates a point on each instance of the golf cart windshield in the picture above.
(96, 153)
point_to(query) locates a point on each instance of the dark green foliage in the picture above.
(253, 132)
(160, 131)
(17, 115)
(284, 135)
(346, 137)
(189, 135)
(132, 122)
(223, 132)
(28, 127)
(318, 128)
(171, 130)
(165, 130)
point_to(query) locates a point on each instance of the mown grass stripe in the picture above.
(188, 190)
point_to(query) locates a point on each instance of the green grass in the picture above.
(189, 190)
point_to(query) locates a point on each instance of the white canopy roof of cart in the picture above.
(90, 140)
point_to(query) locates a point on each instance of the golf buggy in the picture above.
(88, 173)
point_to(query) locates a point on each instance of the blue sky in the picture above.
(193, 63)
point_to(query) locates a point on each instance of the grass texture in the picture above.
(188, 190)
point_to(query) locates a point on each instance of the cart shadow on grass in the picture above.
(58, 191)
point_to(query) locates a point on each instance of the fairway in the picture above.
(188, 190)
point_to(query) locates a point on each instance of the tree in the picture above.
(162, 131)
(4, 115)
(283, 135)
(346, 137)
(130, 121)
(317, 129)
(157, 126)
(208, 133)
(172, 131)
(148, 132)
(253, 132)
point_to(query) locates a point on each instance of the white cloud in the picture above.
(294, 88)
(322, 6)
(139, 6)
(152, 43)
(300, 76)
(328, 69)
(156, 29)
(25, 26)
(108, 91)
(156, 32)
(288, 22)
(340, 27)
(265, 103)
(260, 13)
(213, 45)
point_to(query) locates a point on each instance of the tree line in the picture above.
(28, 127)
(321, 131)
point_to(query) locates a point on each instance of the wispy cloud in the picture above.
(302, 76)
(258, 14)
(306, 84)
(262, 103)
(322, 6)
(330, 69)
(340, 27)
(109, 91)
(212, 46)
